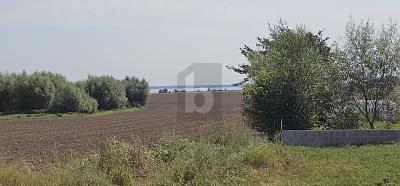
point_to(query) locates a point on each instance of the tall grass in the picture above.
(228, 156)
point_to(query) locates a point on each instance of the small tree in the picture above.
(288, 80)
(370, 62)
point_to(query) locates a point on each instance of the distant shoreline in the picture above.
(190, 86)
(194, 88)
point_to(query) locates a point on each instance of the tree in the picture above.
(6, 88)
(108, 91)
(370, 62)
(136, 90)
(23, 92)
(287, 80)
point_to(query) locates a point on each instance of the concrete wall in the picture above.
(339, 137)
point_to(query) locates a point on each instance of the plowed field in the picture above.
(46, 140)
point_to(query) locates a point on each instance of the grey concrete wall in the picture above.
(339, 137)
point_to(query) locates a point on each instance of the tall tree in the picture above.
(370, 62)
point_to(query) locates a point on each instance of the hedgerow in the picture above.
(50, 92)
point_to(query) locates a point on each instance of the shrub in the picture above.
(114, 161)
(73, 99)
(23, 92)
(344, 118)
(81, 172)
(108, 91)
(33, 92)
(289, 80)
(136, 91)
(47, 91)
(6, 91)
(186, 162)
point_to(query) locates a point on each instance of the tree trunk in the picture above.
(371, 124)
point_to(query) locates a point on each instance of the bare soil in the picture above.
(47, 140)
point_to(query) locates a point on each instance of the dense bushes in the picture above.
(50, 92)
(294, 81)
(295, 78)
(288, 81)
(73, 99)
(108, 91)
(23, 92)
(136, 91)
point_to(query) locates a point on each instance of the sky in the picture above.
(158, 39)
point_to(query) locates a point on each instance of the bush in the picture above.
(82, 172)
(344, 118)
(114, 161)
(50, 92)
(23, 92)
(108, 91)
(289, 81)
(38, 91)
(73, 99)
(136, 91)
(6, 92)
(124, 162)
(185, 162)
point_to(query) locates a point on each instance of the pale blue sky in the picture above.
(157, 39)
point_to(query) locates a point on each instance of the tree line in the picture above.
(51, 92)
(295, 78)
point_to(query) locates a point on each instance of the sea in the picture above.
(194, 88)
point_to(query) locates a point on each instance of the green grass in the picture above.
(42, 115)
(230, 156)
(352, 165)
(387, 125)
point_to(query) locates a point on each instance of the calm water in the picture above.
(155, 89)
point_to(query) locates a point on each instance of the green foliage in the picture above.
(394, 97)
(370, 63)
(23, 92)
(234, 159)
(234, 137)
(350, 165)
(6, 91)
(136, 91)
(114, 161)
(344, 118)
(82, 172)
(108, 91)
(73, 99)
(288, 81)
(266, 155)
(50, 92)
(200, 164)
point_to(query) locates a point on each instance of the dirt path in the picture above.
(46, 140)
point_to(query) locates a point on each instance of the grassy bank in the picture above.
(384, 125)
(226, 157)
(43, 115)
